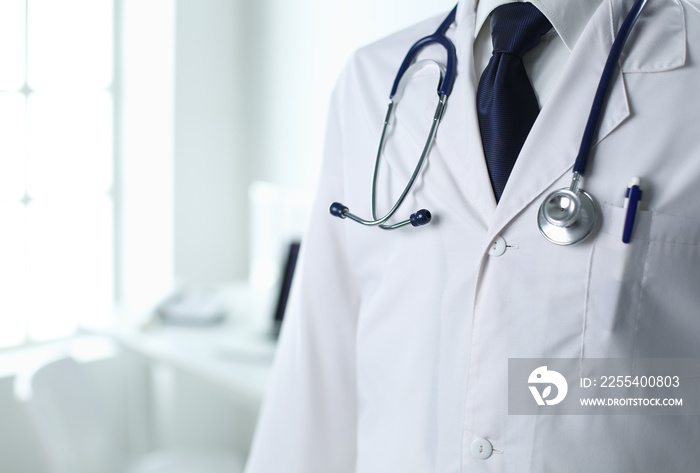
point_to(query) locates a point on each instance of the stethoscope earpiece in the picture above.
(338, 210)
(422, 217)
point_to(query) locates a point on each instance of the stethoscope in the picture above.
(567, 216)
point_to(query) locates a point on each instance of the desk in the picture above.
(235, 354)
(202, 385)
(235, 359)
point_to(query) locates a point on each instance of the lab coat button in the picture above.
(481, 448)
(498, 246)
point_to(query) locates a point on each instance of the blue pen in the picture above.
(634, 195)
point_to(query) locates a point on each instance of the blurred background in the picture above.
(157, 157)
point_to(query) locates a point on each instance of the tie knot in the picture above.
(517, 27)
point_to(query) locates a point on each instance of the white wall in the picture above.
(309, 42)
(252, 80)
(144, 90)
(210, 163)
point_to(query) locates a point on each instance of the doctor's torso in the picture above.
(439, 310)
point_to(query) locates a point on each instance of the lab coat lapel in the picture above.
(551, 148)
(458, 142)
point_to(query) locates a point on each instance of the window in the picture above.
(56, 166)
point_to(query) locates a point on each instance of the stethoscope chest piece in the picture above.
(567, 217)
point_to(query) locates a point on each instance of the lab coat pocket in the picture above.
(643, 297)
(669, 317)
(614, 286)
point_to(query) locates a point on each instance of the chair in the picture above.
(77, 436)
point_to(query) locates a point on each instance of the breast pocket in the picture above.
(643, 298)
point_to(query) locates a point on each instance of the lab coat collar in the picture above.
(464, 156)
(656, 44)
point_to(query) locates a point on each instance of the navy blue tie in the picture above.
(506, 104)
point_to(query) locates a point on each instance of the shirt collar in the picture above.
(567, 17)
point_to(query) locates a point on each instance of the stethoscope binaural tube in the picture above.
(567, 216)
(423, 216)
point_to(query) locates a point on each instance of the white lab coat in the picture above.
(394, 355)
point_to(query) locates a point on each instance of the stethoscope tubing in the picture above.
(603, 90)
(437, 37)
(424, 154)
(569, 216)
